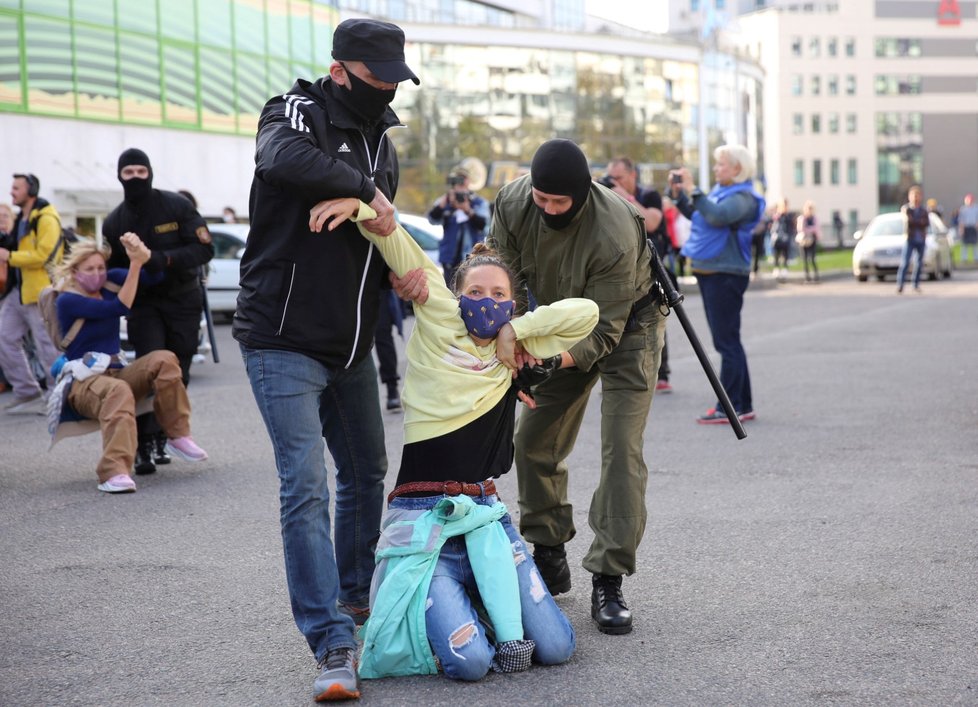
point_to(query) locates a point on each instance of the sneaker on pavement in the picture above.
(663, 386)
(28, 404)
(338, 676)
(359, 614)
(715, 416)
(120, 483)
(185, 448)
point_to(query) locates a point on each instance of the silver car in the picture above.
(879, 248)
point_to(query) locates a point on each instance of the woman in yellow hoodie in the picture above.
(460, 402)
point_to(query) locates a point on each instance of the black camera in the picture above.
(607, 181)
(456, 181)
(461, 196)
(676, 179)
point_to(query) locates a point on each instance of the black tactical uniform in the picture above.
(165, 315)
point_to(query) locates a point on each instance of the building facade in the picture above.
(81, 80)
(864, 98)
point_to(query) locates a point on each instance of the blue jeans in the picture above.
(302, 403)
(910, 246)
(457, 637)
(723, 298)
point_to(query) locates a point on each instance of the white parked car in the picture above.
(223, 271)
(425, 234)
(879, 249)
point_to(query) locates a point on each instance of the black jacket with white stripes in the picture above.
(313, 293)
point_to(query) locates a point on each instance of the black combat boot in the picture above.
(393, 399)
(551, 560)
(144, 457)
(160, 455)
(608, 605)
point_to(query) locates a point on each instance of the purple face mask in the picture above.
(485, 317)
(90, 282)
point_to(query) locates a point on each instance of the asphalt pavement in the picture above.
(831, 557)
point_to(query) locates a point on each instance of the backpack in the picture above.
(47, 305)
(65, 238)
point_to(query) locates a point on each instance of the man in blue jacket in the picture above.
(305, 320)
(463, 215)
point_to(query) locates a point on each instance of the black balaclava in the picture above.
(560, 167)
(136, 190)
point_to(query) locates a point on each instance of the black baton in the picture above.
(674, 301)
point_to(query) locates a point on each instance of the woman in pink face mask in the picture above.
(96, 387)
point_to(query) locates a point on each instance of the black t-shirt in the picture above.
(481, 450)
(651, 199)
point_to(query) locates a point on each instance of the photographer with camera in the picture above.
(463, 215)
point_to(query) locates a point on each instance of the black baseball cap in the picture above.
(379, 45)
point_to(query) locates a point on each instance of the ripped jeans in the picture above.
(457, 636)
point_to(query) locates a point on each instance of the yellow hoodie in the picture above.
(450, 380)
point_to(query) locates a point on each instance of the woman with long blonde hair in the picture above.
(95, 384)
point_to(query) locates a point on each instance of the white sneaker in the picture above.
(120, 483)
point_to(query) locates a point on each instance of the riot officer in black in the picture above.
(165, 315)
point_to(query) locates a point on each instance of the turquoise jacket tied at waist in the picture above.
(395, 639)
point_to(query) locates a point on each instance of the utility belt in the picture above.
(652, 297)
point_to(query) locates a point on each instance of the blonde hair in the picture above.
(740, 156)
(81, 250)
(9, 211)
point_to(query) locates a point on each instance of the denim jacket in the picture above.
(395, 640)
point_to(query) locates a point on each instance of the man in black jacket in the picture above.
(305, 320)
(166, 314)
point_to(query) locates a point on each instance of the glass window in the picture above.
(249, 26)
(799, 173)
(798, 122)
(213, 23)
(300, 34)
(10, 91)
(816, 85)
(814, 47)
(100, 12)
(55, 8)
(217, 110)
(49, 85)
(833, 123)
(817, 172)
(850, 85)
(177, 20)
(796, 46)
(832, 85)
(139, 78)
(832, 46)
(323, 21)
(252, 90)
(834, 172)
(96, 72)
(851, 176)
(850, 122)
(796, 84)
(850, 46)
(816, 123)
(853, 219)
(179, 83)
(141, 16)
(277, 20)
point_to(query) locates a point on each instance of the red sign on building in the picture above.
(949, 13)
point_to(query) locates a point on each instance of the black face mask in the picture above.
(136, 190)
(558, 221)
(369, 102)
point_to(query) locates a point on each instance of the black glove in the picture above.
(529, 376)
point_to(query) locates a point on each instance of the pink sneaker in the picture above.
(120, 483)
(185, 448)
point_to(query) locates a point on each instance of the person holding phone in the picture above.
(463, 215)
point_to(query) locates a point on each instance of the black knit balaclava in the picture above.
(560, 167)
(136, 190)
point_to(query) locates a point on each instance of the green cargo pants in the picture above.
(545, 437)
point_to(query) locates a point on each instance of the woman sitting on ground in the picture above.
(94, 381)
(449, 549)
